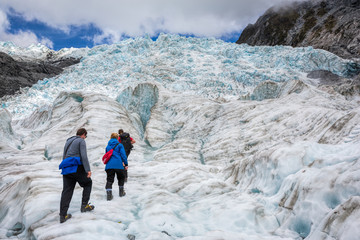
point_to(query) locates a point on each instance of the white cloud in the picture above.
(108, 36)
(20, 38)
(137, 17)
(47, 42)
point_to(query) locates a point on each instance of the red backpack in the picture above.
(108, 155)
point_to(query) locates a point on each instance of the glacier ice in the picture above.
(207, 67)
(233, 142)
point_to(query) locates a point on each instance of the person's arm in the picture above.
(132, 140)
(123, 154)
(84, 158)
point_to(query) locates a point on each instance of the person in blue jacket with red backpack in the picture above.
(116, 165)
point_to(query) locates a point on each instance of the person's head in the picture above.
(120, 131)
(114, 135)
(82, 133)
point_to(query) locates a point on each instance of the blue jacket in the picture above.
(69, 165)
(119, 156)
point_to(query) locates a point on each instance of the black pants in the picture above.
(69, 182)
(120, 174)
(127, 155)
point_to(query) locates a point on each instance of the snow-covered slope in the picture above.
(233, 142)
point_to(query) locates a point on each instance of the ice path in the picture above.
(171, 191)
(353, 135)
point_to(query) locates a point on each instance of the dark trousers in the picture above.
(127, 155)
(69, 182)
(120, 174)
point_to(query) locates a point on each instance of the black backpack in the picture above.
(126, 142)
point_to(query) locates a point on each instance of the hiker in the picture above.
(75, 169)
(132, 141)
(127, 142)
(116, 165)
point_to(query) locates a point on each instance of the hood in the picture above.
(112, 142)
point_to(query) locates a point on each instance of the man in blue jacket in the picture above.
(75, 168)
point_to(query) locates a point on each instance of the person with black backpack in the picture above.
(127, 142)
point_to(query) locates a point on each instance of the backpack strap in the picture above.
(115, 147)
(68, 147)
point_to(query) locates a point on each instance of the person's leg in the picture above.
(120, 173)
(67, 193)
(126, 175)
(109, 178)
(109, 182)
(86, 184)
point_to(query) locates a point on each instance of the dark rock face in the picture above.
(348, 87)
(15, 75)
(332, 25)
(326, 77)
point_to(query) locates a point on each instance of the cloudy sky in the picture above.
(80, 23)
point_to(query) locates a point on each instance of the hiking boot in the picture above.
(87, 208)
(64, 218)
(122, 192)
(109, 195)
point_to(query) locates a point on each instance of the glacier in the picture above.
(233, 142)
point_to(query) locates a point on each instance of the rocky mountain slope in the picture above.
(18, 74)
(332, 25)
